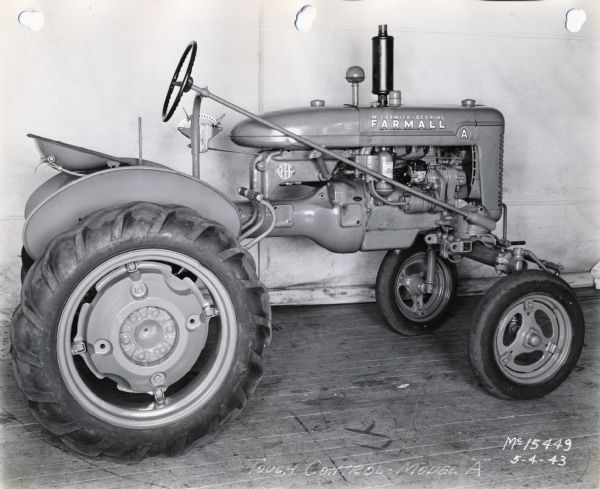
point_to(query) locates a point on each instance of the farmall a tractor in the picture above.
(142, 321)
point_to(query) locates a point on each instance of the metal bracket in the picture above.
(209, 312)
(159, 396)
(553, 349)
(78, 348)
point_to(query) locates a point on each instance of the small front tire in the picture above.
(405, 308)
(526, 336)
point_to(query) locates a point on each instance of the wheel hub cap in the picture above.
(533, 340)
(148, 335)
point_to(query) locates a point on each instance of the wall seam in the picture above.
(261, 23)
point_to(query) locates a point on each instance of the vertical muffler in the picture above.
(383, 65)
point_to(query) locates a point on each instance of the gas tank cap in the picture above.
(317, 103)
(468, 102)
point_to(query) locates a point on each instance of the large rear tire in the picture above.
(26, 263)
(406, 309)
(140, 332)
(526, 335)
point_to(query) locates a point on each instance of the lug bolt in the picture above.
(102, 347)
(158, 379)
(139, 290)
(193, 322)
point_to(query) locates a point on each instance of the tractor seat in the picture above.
(74, 158)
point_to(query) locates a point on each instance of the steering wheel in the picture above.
(184, 85)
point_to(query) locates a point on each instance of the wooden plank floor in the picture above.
(347, 403)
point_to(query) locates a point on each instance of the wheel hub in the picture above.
(145, 309)
(409, 290)
(88, 338)
(531, 339)
(148, 335)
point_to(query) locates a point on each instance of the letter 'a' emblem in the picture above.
(464, 134)
(285, 171)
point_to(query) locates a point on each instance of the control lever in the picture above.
(250, 194)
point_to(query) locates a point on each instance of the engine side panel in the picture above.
(65, 207)
(333, 216)
(390, 228)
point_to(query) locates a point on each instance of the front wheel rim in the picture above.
(533, 338)
(172, 402)
(411, 301)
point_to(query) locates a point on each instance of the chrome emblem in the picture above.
(285, 171)
(464, 133)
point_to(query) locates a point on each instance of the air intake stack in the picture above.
(383, 65)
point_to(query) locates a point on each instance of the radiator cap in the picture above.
(468, 102)
(317, 103)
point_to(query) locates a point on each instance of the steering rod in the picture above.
(472, 217)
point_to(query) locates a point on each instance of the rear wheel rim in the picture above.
(411, 301)
(532, 339)
(182, 397)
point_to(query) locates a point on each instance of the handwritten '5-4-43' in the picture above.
(559, 460)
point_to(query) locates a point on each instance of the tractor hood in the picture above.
(349, 126)
(335, 127)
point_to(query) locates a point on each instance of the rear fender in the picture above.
(61, 203)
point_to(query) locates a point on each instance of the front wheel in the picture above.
(399, 291)
(140, 332)
(526, 336)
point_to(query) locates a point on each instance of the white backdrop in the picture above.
(97, 65)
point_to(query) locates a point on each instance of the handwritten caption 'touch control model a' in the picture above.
(550, 451)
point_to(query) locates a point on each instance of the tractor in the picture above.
(142, 321)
